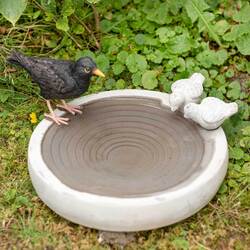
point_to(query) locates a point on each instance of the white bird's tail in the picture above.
(232, 108)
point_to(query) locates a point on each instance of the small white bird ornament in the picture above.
(211, 112)
(185, 91)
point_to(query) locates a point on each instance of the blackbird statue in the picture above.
(58, 79)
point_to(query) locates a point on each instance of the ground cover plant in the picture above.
(139, 44)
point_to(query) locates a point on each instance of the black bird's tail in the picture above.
(16, 58)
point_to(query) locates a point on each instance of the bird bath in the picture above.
(127, 164)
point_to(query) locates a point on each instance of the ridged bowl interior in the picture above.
(123, 147)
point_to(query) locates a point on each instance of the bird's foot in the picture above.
(57, 119)
(73, 109)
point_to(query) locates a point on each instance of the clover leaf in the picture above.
(149, 80)
(136, 62)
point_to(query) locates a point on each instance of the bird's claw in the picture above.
(57, 119)
(73, 109)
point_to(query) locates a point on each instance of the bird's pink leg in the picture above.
(57, 119)
(73, 109)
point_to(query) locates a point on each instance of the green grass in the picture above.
(138, 38)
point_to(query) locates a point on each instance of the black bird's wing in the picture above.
(53, 76)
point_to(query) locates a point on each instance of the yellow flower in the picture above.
(33, 118)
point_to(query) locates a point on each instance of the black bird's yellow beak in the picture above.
(98, 72)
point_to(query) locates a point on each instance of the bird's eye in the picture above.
(86, 69)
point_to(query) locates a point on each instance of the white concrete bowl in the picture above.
(127, 164)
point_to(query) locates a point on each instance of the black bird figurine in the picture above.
(58, 79)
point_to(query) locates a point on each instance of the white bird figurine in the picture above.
(211, 112)
(185, 91)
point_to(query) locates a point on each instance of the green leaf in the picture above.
(229, 73)
(246, 168)
(102, 62)
(247, 64)
(223, 188)
(136, 79)
(140, 39)
(83, 53)
(165, 83)
(51, 43)
(232, 183)
(122, 56)
(4, 95)
(243, 15)
(245, 142)
(49, 17)
(233, 94)
(235, 90)
(221, 27)
(93, 1)
(149, 40)
(190, 64)
(106, 25)
(22, 201)
(36, 14)
(182, 65)
(149, 80)
(237, 31)
(167, 87)
(193, 12)
(110, 83)
(148, 27)
(136, 63)
(164, 34)
(207, 58)
(118, 4)
(78, 29)
(67, 8)
(236, 153)
(49, 5)
(209, 17)
(213, 73)
(12, 9)
(10, 195)
(180, 44)
(62, 24)
(195, 9)
(175, 6)
(120, 84)
(111, 45)
(148, 5)
(246, 130)
(172, 63)
(117, 68)
(159, 14)
(180, 243)
(244, 110)
(243, 44)
(156, 57)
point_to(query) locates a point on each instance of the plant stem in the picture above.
(88, 30)
(97, 19)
